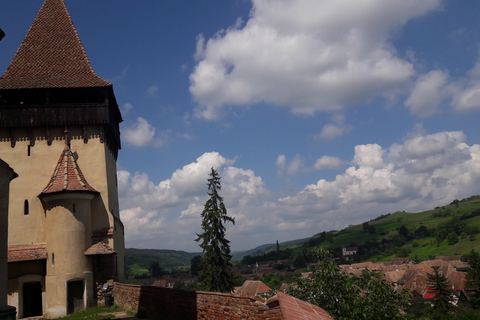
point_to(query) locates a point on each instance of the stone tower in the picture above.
(65, 234)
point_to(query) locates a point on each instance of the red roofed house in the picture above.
(59, 126)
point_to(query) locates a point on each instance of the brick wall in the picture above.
(164, 303)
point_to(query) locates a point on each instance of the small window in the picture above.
(73, 209)
(28, 150)
(53, 259)
(26, 210)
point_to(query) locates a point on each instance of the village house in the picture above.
(349, 251)
(405, 274)
(59, 126)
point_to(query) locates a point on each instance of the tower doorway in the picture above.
(32, 299)
(75, 290)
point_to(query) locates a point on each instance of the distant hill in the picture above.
(448, 229)
(252, 252)
(140, 259)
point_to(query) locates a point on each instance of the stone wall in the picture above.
(164, 303)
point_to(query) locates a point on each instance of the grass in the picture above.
(93, 313)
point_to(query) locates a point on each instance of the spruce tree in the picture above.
(216, 274)
(439, 285)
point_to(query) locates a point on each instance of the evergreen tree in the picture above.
(473, 279)
(216, 274)
(438, 285)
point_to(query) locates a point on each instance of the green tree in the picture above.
(348, 297)
(216, 274)
(196, 265)
(439, 286)
(155, 270)
(473, 279)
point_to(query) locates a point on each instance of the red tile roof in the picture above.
(252, 288)
(67, 176)
(27, 253)
(295, 309)
(51, 54)
(99, 248)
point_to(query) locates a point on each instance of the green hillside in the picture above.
(139, 260)
(446, 230)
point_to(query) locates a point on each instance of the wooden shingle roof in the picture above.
(67, 176)
(51, 54)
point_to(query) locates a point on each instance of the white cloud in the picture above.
(425, 171)
(142, 134)
(126, 108)
(192, 177)
(331, 131)
(329, 162)
(152, 91)
(296, 166)
(307, 55)
(435, 87)
(429, 92)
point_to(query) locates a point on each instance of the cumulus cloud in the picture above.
(331, 131)
(171, 209)
(329, 162)
(142, 134)
(429, 92)
(424, 171)
(126, 108)
(297, 165)
(435, 87)
(306, 55)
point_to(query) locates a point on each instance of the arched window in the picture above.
(26, 210)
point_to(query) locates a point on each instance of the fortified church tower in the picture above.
(59, 130)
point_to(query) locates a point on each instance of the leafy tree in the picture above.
(155, 270)
(452, 238)
(403, 231)
(438, 285)
(347, 297)
(195, 265)
(216, 274)
(421, 232)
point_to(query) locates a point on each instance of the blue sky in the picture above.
(317, 114)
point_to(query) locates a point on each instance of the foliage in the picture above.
(216, 274)
(439, 286)
(138, 260)
(473, 279)
(155, 270)
(195, 265)
(348, 297)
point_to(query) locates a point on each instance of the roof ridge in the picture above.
(51, 54)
